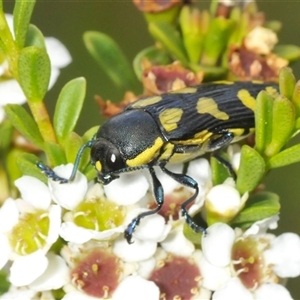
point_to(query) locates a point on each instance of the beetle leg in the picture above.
(51, 174)
(159, 197)
(217, 145)
(189, 182)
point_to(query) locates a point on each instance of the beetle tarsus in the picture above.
(50, 173)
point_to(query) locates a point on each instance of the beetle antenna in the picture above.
(51, 174)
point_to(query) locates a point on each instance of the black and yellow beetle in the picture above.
(171, 128)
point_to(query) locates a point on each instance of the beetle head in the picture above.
(107, 160)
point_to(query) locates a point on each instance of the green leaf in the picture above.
(90, 172)
(216, 40)
(191, 235)
(4, 283)
(111, 59)
(263, 120)
(289, 52)
(89, 134)
(155, 55)
(34, 73)
(72, 145)
(296, 98)
(22, 14)
(35, 37)
(258, 207)
(24, 123)
(286, 157)
(169, 37)
(283, 125)
(251, 170)
(11, 165)
(68, 107)
(55, 154)
(287, 82)
(190, 24)
(6, 132)
(219, 171)
(27, 164)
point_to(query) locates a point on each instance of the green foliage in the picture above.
(68, 108)
(22, 14)
(24, 123)
(167, 35)
(259, 206)
(34, 72)
(111, 58)
(251, 170)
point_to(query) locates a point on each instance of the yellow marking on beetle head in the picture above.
(186, 90)
(246, 98)
(147, 101)
(209, 106)
(170, 117)
(98, 166)
(147, 155)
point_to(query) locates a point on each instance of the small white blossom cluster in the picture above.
(10, 90)
(68, 238)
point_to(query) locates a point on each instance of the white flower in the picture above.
(28, 228)
(151, 230)
(10, 91)
(253, 260)
(135, 288)
(223, 201)
(72, 231)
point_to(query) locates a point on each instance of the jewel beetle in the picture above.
(175, 127)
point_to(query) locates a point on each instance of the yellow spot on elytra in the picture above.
(206, 105)
(186, 90)
(247, 99)
(147, 155)
(147, 101)
(98, 166)
(237, 131)
(224, 82)
(168, 151)
(170, 117)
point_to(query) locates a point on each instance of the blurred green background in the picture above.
(68, 20)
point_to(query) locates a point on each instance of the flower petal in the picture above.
(5, 250)
(128, 189)
(55, 276)
(34, 191)
(73, 233)
(9, 215)
(26, 269)
(284, 254)
(71, 194)
(217, 244)
(58, 53)
(137, 251)
(11, 93)
(135, 287)
(213, 277)
(233, 290)
(55, 221)
(272, 291)
(177, 244)
(152, 228)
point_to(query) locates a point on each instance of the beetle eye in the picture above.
(113, 160)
